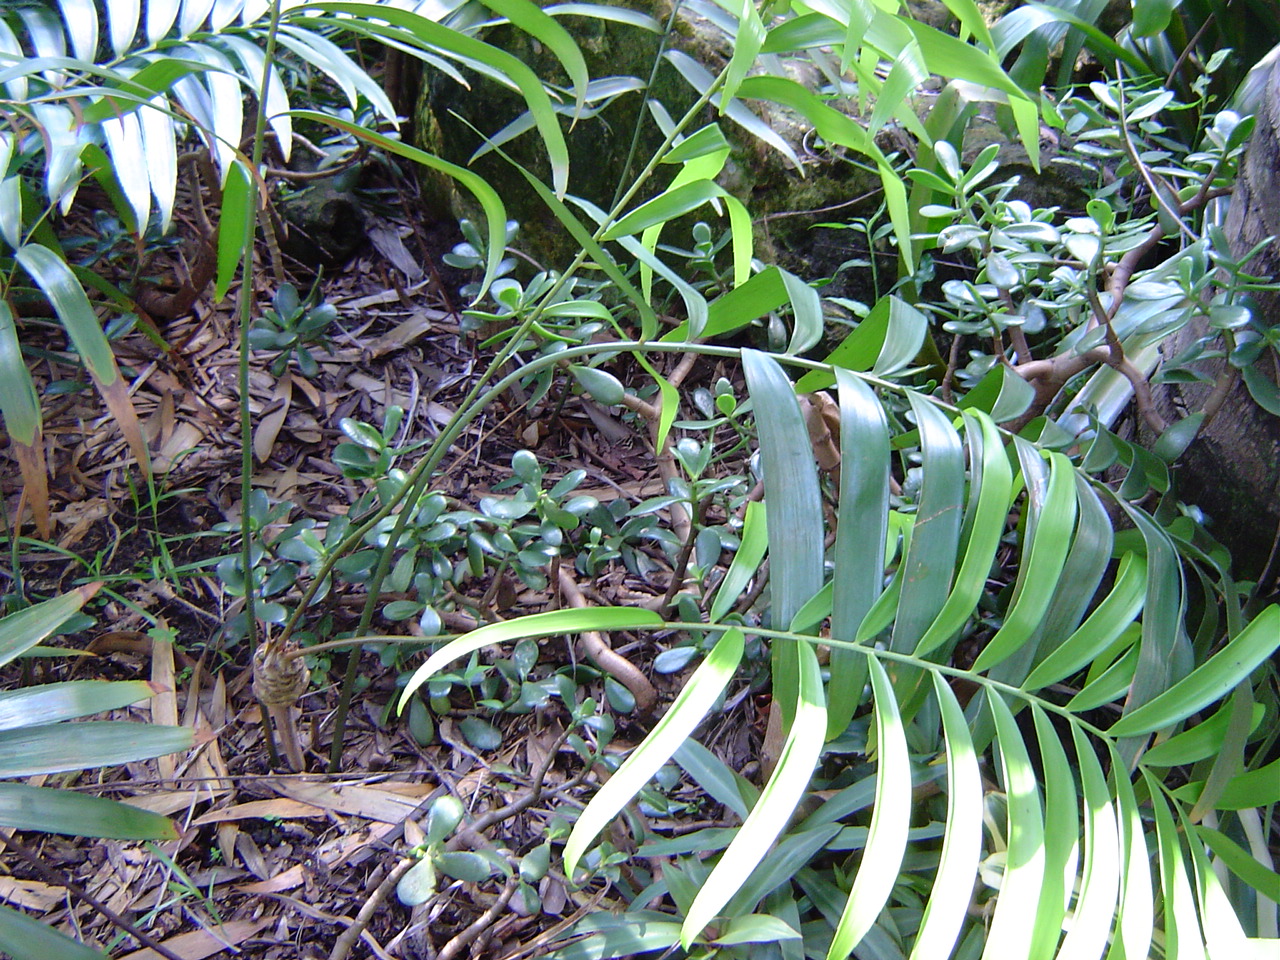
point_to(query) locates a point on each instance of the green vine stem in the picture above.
(246, 304)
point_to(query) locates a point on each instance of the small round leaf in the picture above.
(602, 387)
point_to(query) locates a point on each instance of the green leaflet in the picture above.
(962, 846)
(668, 205)
(1042, 564)
(535, 21)
(1181, 925)
(677, 725)
(54, 702)
(495, 212)
(1137, 910)
(23, 938)
(931, 558)
(534, 625)
(438, 37)
(1242, 863)
(21, 631)
(764, 292)
(1120, 608)
(1213, 680)
(1061, 818)
(858, 556)
(1014, 922)
(887, 838)
(1100, 879)
(988, 526)
(78, 815)
(886, 341)
(1200, 741)
(55, 278)
(746, 561)
(18, 402)
(777, 801)
(239, 199)
(746, 48)
(55, 747)
(793, 504)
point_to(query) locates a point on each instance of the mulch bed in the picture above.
(274, 864)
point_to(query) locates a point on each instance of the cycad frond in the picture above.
(1084, 810)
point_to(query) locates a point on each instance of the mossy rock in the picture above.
(599, 145)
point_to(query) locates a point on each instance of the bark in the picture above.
(1233, 469)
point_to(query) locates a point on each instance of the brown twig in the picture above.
(1191, 45)
(1126, 267)
(665, 460)
(1222, 388)
(1141, 394)
(57, 879)
(682, 559)
(482, 923)
(472, 834)
(953, 364)
(751, 596)
(347, 939)
(550, 934)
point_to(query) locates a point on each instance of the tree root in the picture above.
(604, 656)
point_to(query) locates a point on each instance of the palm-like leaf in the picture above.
(116, 89)
(35, 739)
(1072, 858)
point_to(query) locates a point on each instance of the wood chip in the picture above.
(205, 943)
(366, 802)
(164, 705)
(281, 807)
(32, 894)
(264, 437)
